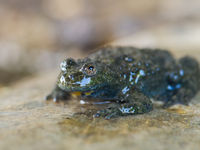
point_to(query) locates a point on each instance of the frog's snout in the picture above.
(71, 79)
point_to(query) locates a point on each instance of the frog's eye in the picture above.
(67, 64)
(89, 69)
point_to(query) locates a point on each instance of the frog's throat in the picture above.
(79, 93)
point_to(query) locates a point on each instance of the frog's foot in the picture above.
(57, 95)
(181, 97)
(117, 110)
(109, 112)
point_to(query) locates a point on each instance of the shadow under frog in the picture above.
(127, 78)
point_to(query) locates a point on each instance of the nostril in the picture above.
(71, 77)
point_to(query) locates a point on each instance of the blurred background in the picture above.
(36, 35)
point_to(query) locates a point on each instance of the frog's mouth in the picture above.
(79, 90)
(84, 85)
(72, 85)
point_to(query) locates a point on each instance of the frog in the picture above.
(128, 80)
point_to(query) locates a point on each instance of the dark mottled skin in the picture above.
(129, 77)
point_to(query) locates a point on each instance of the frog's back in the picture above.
(110, 55)
(154, 72)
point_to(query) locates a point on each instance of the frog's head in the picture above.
(84, 75)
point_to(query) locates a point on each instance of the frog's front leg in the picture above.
(58, 94)
(136, 103)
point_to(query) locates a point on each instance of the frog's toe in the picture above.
(104, 115)
(97, 115)
(56, 97)
(55, 100)
(107, 113)
(52, 97)
(48, 97)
